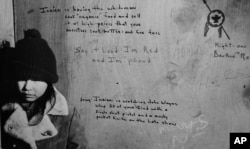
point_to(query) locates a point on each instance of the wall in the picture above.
(6, 22)
(150, 74)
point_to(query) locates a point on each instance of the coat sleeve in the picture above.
(76, 137)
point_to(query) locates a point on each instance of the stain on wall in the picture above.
(185, 18)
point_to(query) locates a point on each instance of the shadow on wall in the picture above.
(246, 96)
(238, 12)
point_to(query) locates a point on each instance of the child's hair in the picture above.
(38, 107)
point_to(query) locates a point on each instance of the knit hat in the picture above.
(34, 59)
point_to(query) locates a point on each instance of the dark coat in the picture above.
(59, 131)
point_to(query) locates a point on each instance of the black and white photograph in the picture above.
(125, 74)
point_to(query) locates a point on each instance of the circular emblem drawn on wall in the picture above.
(216, 18)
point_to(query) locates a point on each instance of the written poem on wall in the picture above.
(110, 20)
(118, 55)
(113, 19)
(149, 111)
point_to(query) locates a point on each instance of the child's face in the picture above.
(32, 90)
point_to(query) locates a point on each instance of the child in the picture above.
(36, 115)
